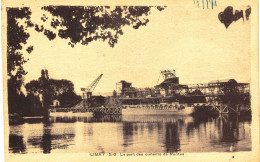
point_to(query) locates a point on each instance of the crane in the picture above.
(91, 87)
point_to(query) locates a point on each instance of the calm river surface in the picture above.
(146, 134)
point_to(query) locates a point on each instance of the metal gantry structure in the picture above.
(222, 96)
(168, 74)
(226, 96)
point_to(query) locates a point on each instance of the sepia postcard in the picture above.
(131, 80)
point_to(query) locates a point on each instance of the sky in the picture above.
(183, 37)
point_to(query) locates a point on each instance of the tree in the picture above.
(33, 106)
(16, 100)
(51, 89)
(45, 90)
(16, 37)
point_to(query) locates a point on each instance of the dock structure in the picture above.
(219, 96)
(94, 110)
(83, 107)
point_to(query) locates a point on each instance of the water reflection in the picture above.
(172, 140)
(130, 134)
(16, 144)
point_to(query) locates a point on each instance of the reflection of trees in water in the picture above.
(46, 141)
(16, 144)
(172, 141)
(69, 119)
(46, 138)
(49, 140)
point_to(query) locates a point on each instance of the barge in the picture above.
(157, 109)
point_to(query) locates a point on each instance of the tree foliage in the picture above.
(78, 24)
(85, 24)
(16, 37)
(51, 89)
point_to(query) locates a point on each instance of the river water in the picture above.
(131, 134)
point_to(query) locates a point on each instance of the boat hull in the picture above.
(142, 111)
(85, 114)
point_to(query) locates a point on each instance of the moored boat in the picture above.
(157, 109)
(69, 112)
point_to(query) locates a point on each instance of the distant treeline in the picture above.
(40, 95)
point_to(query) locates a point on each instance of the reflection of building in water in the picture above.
(172, 141)
(151, 134)
(140, 136)
(107, 118)
(73, 119)
(219, 132)
(128, 132)
(162, 130)
(230, 133)
(186, 134)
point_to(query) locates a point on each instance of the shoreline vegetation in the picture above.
(40, 95)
